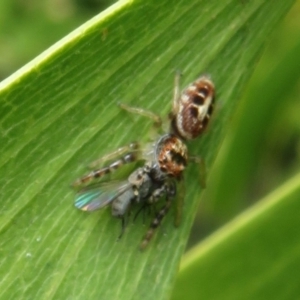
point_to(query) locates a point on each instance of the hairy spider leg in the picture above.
(143, 112)
(179, 202)
(131, 148)
(176, 97)
(129, 157)
(151, 115)
(202, 169)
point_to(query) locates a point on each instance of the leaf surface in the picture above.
(59, 112)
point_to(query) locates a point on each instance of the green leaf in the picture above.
(246, 258)
(59, 112)
(267, 99)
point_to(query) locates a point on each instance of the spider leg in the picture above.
(143, 112)
(179, 202)
(170, 190)
(202, 169)
(129, 157)
(130, 148)
(176, 97)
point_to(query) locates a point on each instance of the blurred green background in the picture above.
(261, 150)
(28, 27)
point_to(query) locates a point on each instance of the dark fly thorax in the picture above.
(140, 186)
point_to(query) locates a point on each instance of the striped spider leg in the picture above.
(120, 157)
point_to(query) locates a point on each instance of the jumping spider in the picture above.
(164, 160)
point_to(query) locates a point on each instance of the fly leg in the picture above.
(170, 190)
(151, 201)
(123, 226)
(144, 207)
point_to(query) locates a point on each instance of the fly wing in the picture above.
(96, 197)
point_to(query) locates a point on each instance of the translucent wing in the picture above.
(96, 197)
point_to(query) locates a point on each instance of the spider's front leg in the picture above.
(126, 154)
